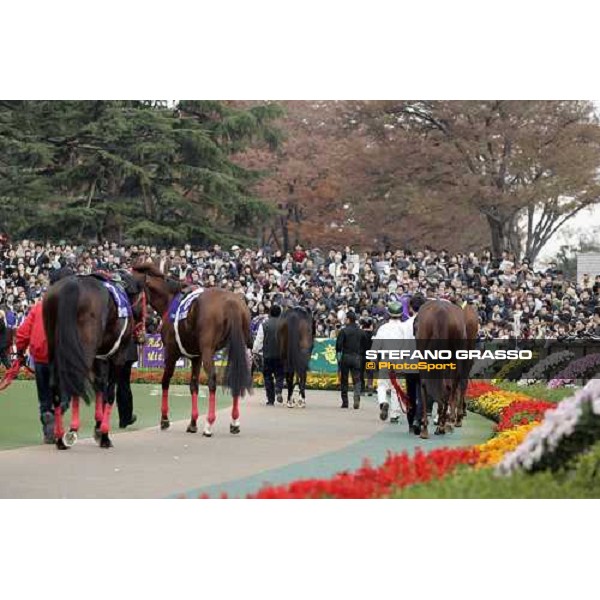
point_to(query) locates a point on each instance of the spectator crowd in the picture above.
(512, 298)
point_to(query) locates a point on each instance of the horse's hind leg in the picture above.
(289, 377)
(443, 406)
(70, 437)
(209, 367)
(234, 427)
(59, 431)
(302, 390)
(166, 380)
(193, 426)
(99, 407)
(454, 407)
(111, 375)
(424, 433)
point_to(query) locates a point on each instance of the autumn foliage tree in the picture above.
(526, 167)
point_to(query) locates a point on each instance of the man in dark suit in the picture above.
(348, 347)
(366, 383)
(124, 394)
(266, 344)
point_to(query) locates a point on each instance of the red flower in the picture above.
(398, 471)
(478, 388)
(521, 413)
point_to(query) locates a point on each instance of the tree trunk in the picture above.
(285, 238)
(498, 238)
(513, 236)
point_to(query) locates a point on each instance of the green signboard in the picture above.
(323, 358)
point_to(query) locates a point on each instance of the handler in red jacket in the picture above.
(31, 334)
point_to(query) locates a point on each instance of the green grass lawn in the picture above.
(539, 391)
(19, 412)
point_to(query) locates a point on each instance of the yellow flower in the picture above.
(492, 451)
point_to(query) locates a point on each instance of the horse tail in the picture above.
(237, 375)
(295, 360)
(68, 354)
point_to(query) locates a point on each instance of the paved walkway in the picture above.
(276, 445)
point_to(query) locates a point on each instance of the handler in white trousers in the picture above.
(392, 330)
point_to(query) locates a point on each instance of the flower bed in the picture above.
(314, 381)
(565, 432)
(549, 366)
(493, 451)
(582, 368)
(397, 472)
(523, 412)
(518, 415)
(491, 404)
(513, 369)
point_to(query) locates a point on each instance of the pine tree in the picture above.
(131, 171)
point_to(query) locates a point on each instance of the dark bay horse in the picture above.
(88, 325)
(296, 332)
(216, 319)
(440, 326)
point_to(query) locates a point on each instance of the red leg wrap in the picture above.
(99, 407)
(164, 410)
(105, 427)
(75, 413)
(235, 411)
(212, 405)
(58, 424)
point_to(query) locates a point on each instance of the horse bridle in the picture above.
(139, 329)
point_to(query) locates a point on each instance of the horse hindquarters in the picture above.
(69, 355)
(238, 376)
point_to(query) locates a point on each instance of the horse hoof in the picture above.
(105, 441)
(290, 404)
(458, 424)
(234, 429)
(61, 445)
(448, 428)
(70, 438)
(97, 435)
(164, 423)
(301, 404)
(279, 398)
(439, 431)
(424, 435)
(207, 434)
(191, 428)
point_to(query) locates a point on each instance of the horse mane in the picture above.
(149, 268)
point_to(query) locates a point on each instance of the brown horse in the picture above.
(216, 319)
(295, 347)
(88, 327)
(472, 329)
(440, 326)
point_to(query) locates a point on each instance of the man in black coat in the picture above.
(267, 345)
(124, 393)
(366, 383)
(349, 346)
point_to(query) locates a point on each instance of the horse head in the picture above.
(159, 289)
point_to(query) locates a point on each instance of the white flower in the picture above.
(557, 425)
